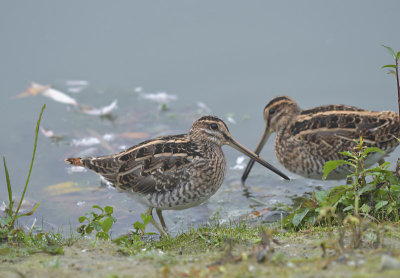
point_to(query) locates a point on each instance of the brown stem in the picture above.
(398, 84)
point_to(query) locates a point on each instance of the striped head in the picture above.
(210, 129)
(279, 112)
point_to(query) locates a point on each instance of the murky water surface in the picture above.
(227, 58)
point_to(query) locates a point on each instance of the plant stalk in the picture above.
(30, 168)
(398, 84)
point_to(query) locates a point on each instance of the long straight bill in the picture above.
(235, 144)
(264, 139)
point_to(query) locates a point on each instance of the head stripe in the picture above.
(276, 99)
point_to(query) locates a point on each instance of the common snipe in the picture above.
(306, 139)
(172, 172)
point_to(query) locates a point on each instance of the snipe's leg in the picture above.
(160, 216)
(155, 224)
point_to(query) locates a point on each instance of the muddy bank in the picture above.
(285, 255)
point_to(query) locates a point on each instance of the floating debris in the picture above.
(161, 97)
(25, 206)
(80, 203)
(46, 132)
(135, 135)
(85, 142)
(49, 92)
(76, 86)
(138, 89)
(102, 139)
(99, 111)
(50, 134)
(108, 137)
(64, 188)
(77, 83)
(257, 213)
(75, 90)
(75, 169)
(239, 163)
(3, 207)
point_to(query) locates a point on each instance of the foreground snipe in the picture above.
(172, 172)
(306, 139)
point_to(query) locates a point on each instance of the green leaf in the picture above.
(332, 165)
(391, 51)
(380, 205)
(373, 150)
(389, 210)
(388, 66)
(365, 208)
(392, 72)
(102, 235)
(348, 208)
(53, 249)
(89, 230)
(321, 196)
(98, 207)
(369, 187)
(83, 218)
(347, 153)
(398, 55)
(107, 224)
(4, 221)
(384, 165)
(146, 218)
(109, 210)
(9, 189)
(298, 217)
(96, 225)
(336, 194)
(139, 226)
(30, 212)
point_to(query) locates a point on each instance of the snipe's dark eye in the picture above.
(271, 111)
(214, 126)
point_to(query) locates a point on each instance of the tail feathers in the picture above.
(77, 161)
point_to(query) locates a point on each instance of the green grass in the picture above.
(7, 224)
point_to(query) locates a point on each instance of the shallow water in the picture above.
(231, 55)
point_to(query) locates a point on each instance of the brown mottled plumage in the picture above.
(306, 139)
(172, 172)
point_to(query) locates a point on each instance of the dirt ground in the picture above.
(299, 255)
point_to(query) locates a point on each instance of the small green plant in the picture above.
(140, 227)
(356, 160)
(395, 72)
(99, 222)
(7, 223)
(130, 244)
(375, 192)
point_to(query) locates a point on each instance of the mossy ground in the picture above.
(231, 250)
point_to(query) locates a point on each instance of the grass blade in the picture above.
(388, 66)
(391, 51)
(9, 189)
(30, 212)
(30, 168)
